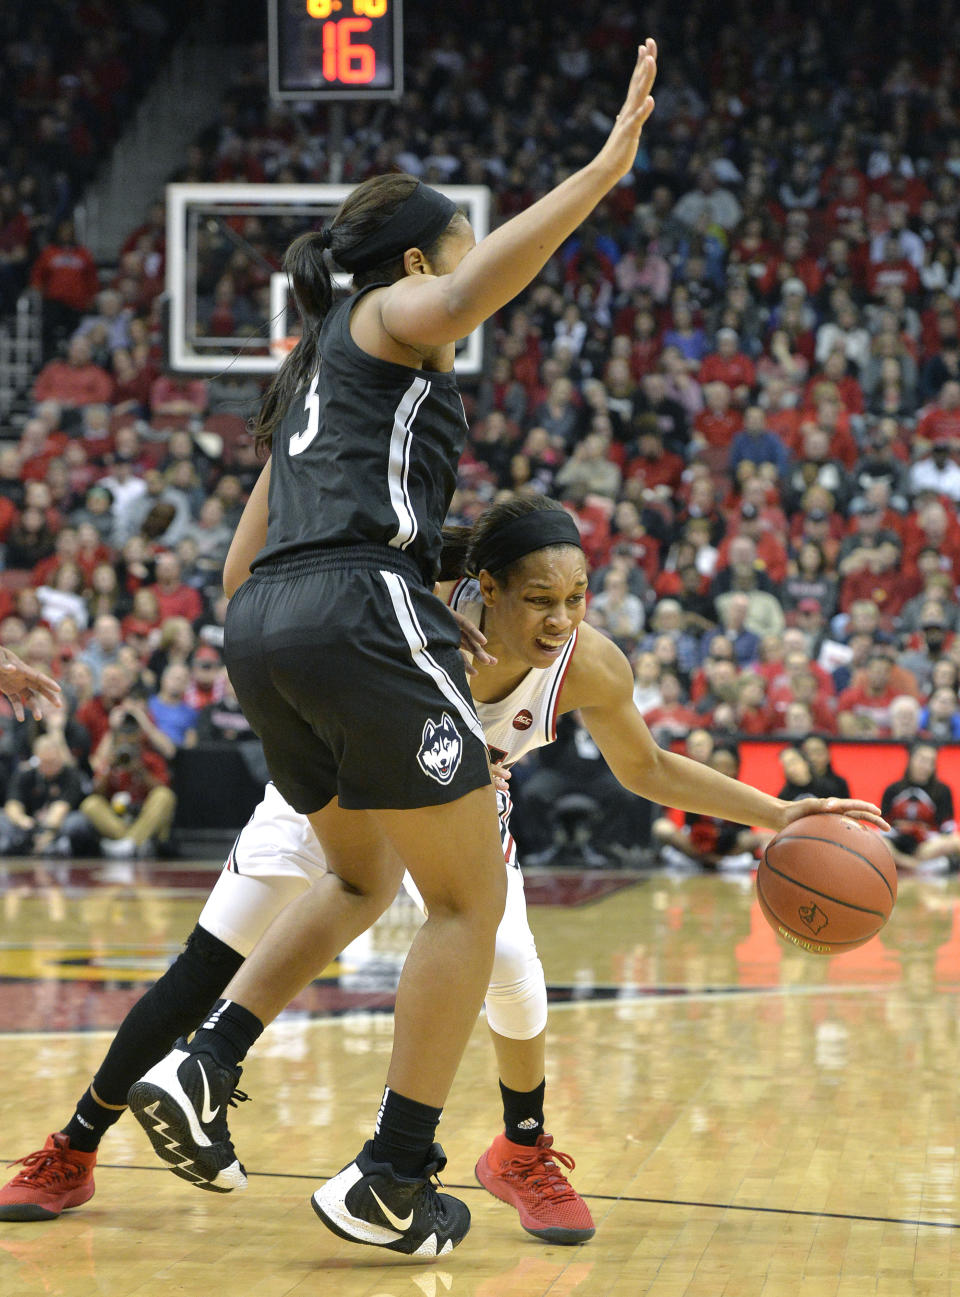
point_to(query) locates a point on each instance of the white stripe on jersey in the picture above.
(417, 643)
(398, 463)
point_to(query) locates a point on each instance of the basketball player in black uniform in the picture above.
(348, 668)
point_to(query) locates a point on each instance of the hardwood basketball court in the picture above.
(748, 1120)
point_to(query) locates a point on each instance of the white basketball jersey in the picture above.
(523, 721)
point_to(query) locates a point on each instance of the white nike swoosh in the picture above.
(206, 1114)
(396, 1221)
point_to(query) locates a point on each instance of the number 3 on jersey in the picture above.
(301, 440)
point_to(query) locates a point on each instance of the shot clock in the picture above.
(336, 49)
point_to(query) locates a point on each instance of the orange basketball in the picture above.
(827, 883)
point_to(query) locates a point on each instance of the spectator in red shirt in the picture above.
(728, 364)
(863, 710)
(850, 201)
(673, 718)
(933, 527)
(206, 678)
(892, 270)
(656, 468)
(835, 370)
(129, 767)
(719, 423)
(771, 553)
(831, 416)
(753, 714)
(178, 395)
(789, 686)
(38, 447)
(628, 533)
(94, 714)
(76, 381)
(941, 420)
(174, 598)
(65, 275)
(795, 261)
(645, 345)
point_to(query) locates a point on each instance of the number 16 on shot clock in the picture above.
(336, 49)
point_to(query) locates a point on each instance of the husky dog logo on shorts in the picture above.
(439, 754)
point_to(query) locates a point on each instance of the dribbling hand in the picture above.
(855, 809)
(620, 150)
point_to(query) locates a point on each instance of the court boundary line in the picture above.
(665, 996)
(607, 1197)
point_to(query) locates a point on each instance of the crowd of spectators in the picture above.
(70, 76)
(742, 376)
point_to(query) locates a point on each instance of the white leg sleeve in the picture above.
(516, 1000)
(276, 858)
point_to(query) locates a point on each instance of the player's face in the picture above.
(533, 616)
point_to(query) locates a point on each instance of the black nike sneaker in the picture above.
(182, 1105)
(367, 1202)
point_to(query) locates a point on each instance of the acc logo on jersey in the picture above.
(439, 755)
(523, 720)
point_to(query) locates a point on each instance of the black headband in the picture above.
(523, 535)
(418, 220)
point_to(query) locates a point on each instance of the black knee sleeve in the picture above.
(174, 1006)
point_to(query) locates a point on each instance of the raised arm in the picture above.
(668, 778)
(250, 536)
(432, 310)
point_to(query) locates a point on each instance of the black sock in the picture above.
(90, 1123)
(405, 1130)
(227, 1033)
(523, 1114)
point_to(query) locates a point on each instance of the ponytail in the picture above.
(454, 545)
(309, 275)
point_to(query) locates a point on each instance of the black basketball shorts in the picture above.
(348, 668)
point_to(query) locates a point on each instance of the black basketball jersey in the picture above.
(367, 454)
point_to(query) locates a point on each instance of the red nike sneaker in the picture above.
(53, 1179)
(530, 1179)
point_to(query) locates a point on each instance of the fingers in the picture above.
(848, 805)
(645, 71)
(855, 809)
(878, 820)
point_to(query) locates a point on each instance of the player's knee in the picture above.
(491, 900)
(515, 955)
(374, 890)
(196, 978)
(518, 1009)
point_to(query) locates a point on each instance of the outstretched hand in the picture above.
(620, 150)
(849, 806)
(24, 685)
